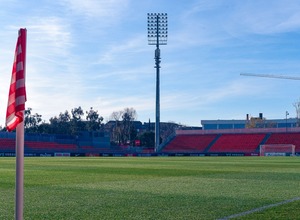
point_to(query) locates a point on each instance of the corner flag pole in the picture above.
(19, 200)
(15, 116)
(20, 130)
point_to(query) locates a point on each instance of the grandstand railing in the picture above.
(167, 141)
(238, 131)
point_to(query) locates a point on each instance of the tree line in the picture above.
(121, 126)
(68, 123)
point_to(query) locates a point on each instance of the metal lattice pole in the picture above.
(157, 35)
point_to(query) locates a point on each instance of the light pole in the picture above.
(157, 35)
(286, 126)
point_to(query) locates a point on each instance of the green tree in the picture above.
(94, 120)
(45, 128)
(76, 124)
(148, 139)
(61, 124)
(77, 113)
(31, 121)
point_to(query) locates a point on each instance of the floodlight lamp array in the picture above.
(157, 28)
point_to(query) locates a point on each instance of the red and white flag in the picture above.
(17, 90)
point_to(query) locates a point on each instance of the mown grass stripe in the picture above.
(260, 208)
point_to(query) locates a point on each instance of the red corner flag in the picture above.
(17, 90)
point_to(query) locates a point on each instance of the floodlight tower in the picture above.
(157, 35)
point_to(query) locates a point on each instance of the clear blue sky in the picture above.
(95, 53)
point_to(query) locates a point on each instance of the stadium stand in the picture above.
(285, 138)
(233, 141)
(7, 144)
(189, 143)
(237, 143)
(148, 151)
(33, 145)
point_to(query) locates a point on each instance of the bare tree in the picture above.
(129, 116)
(123, 130)
(297, 108)
(116, 130)
(116, 115)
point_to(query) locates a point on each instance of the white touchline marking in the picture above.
(260, 209)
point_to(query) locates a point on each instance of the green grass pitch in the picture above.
(153, 187)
